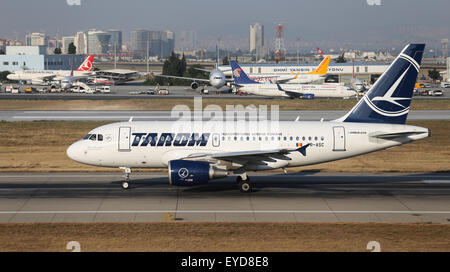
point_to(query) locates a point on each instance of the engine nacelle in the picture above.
(186, 173)
(194, 85)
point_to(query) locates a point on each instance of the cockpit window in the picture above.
(93, 137)
(100, 137)
(87, 137)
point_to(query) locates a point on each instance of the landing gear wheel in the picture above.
(245, 186)
(126, 182)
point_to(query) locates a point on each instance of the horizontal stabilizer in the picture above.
(383, 135)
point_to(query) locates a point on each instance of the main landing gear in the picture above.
(126, 182)
(244, 183)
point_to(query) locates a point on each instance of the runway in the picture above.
(302, 197)
(415, 115)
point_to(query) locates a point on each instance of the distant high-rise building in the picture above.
(256, 45)
(81, 43)
(98, 42)
(187, 40)
(36, 39)
(116, 39)
(444, 43)
(139, 40)
(66, 41)
(159, 43)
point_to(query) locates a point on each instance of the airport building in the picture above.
(337, 72)
(36, 58)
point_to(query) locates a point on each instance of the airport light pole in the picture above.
(298, 43)
(147, 55)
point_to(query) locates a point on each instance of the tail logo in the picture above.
(237, 72)
(387, 97)
(86, 66)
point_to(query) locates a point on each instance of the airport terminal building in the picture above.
(36, 58)
(337, 72)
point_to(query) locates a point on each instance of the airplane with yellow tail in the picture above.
(299, 78)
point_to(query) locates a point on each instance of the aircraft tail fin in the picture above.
(86, 66)
(322, 68)
(239, 76)
(389, 99)
(320, 51)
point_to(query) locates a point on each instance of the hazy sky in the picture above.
(322, 22)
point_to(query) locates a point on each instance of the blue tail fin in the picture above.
(239, 76)
(389, 98)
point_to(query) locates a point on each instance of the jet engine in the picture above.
(186, 173)
(194, 85)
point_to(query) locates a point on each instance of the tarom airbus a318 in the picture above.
(196, 152)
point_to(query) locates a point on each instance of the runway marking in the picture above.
(242, 211)
(92, 117)
(436, 181)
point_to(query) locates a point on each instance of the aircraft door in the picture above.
(216, 140)
(339, 139)
(124, 138)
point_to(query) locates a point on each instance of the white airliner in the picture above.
(245, 84)
(299, 78)
(195, 151)
(39, 76)
(216, 79)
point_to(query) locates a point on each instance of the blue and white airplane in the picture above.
(196, 151)
(245, 84)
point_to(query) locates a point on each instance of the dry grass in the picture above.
(241, 237)
(168, 104)
(41, 147)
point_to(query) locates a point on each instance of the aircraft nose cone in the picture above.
(74, 152)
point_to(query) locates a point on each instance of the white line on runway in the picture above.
(436, 181)
(241, 211)
(91, 117)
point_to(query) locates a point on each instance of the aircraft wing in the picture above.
(290, 93)
(209, 71)
(244, 156)
(47, 77)
(284, 80)
(187, 78)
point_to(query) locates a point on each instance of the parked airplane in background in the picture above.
(40, 76)
(322, 55)
(298, 78)
(216, 79)
(196, 152)
(245, 84)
